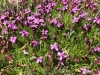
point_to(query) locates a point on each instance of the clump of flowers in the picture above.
(24, 33)
(12, 39)
(96, 48)
(85, 71)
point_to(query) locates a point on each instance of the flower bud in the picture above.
(54, 37)
(68, 29)
(92, 40)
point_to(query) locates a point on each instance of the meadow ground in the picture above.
(51, 37)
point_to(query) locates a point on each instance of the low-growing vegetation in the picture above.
(50, 37)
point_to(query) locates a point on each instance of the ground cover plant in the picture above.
(50, 37)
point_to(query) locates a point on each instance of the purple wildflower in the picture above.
(39, 59)
(4, 31)
(12, 39)
(27, 11)
(42, 24)
(28, 23)
(2, 17)
(25, 22)
(25, 52)
(34, 26)
(39, 6)
(37, 21)
(53, 4)
(86, 27)
(77, 1)
(44, 32)
(35, 43)
(13, 21)
(31, 17)
(65, 7)
(24, 33)
(75, 20)
(96, 20)
(96, 48)
(37, 14)
(12, 26)
(20, 1)
(61, 63)
(19, 18)
(61, 55)
(64, 2)
(54, 46)
(6, 13)
(48, 7)
(85, 71)
(83, 15)
(53, 21)
(5, 22)
(59, 25)
(89, 19)
(73, 10)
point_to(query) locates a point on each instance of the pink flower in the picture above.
(97, 48)
(64, 2)
(85, 71)
(65, 7)
(4, 31)
(75, 9)
(59, 25)
(24, 33)
(19, 18)
(27, 11)
(61, 55)
(12, 26)
(2, 17)
(96, 20)
(12, 39)
(35, 43)
(20, 1)
(25, 52)
(86, 27)
(54, 46)
(39, 59)
(75, 20)
(44, 32)
(54, 21)
(9, 56)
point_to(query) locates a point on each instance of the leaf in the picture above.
(96, 56)
(23, 47)
(17, 4)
